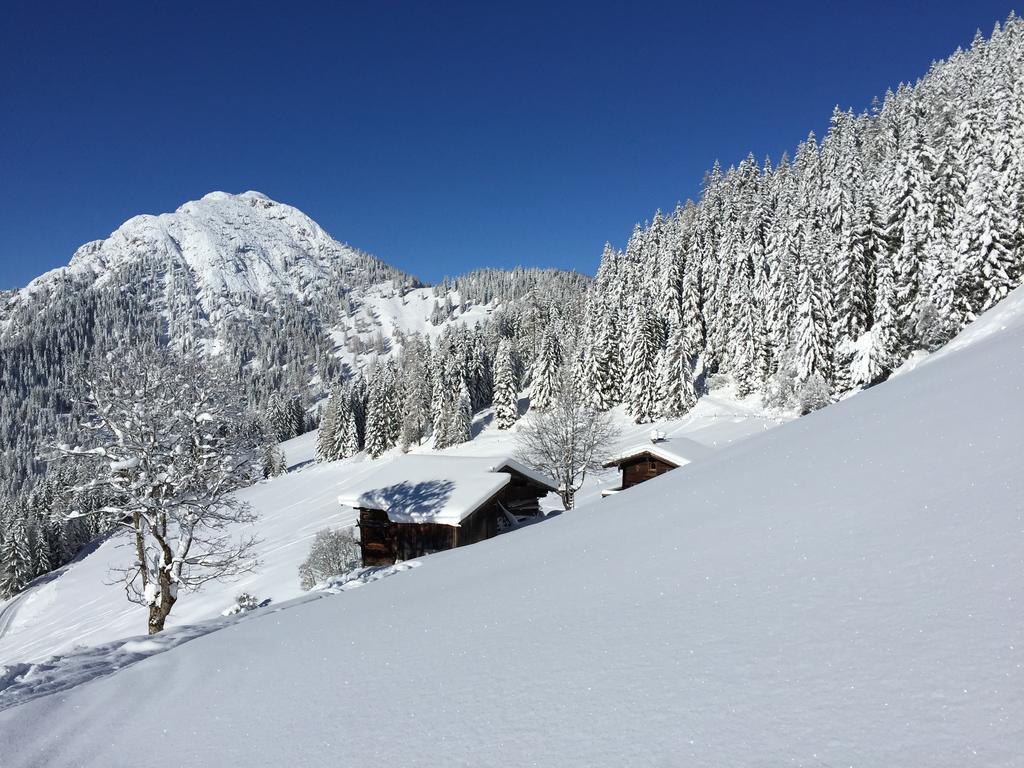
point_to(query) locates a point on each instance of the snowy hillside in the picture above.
(837, 591)
(76, 607)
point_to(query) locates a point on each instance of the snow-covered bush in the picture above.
(813, 394)
(716, 381)
(780, 389)
(334, 551)
(932, 327)
(243, 604)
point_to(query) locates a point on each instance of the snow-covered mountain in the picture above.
(841, 590)
(244, 245)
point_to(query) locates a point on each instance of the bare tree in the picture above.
(566, 440)
(333, 553)
(167, 443)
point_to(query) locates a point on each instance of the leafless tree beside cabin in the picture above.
(567, 439)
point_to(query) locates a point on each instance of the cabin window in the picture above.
(652, 465)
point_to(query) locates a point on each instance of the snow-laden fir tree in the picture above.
(328, 426)
(383, 418)
(546, 370)
(643, 401)
(676, 377)
(506, 386)
(416, 391)
(16, 563)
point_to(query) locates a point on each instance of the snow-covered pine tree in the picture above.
(506, 386)
(546, 370)
(606, 358)
(328, 426)
(985, 236)
(416, 391)
(642, 394)
(459, 429)
(812, 342)
(16, 564)
(275, 462)
(383, 420)
(743, 340)
(875, 360)
(676, 387)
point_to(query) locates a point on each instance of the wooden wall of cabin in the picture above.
(376, 537)
(636, 471)
(482, 524)
(522, 495)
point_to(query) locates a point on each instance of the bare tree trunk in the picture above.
(568, 495)
(160, 610)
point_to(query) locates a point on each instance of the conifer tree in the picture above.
(506, 386)
(546, 370)
(16, 566)
(383, 424)
(985, 236)
(328, 426)
(677, 389)
(606, 359)
(642, 374)
(459, 430)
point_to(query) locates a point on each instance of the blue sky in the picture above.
(486, 134)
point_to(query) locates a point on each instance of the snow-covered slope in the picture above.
(843, 590)
(76, 607)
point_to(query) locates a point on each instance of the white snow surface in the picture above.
(421, 488)
(841, 591)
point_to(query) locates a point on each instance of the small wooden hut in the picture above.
(649, 460)
(418, 504)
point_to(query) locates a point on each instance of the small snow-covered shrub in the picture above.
(716, 381)
(780, 389)
(243, 603)
(333, 552)
(813, 394)
(932, 327)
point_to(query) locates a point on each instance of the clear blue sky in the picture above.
(488, 134)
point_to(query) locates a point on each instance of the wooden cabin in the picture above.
(418, 504)
(649, 460)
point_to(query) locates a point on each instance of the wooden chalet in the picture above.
(648, 460)
(418, 504)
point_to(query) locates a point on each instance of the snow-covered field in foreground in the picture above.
(844, 590)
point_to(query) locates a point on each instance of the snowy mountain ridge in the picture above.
(244, 244)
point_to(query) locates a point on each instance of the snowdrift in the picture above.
(844, 590)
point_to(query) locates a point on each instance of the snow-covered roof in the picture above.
(418, 488)
(674, 450)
